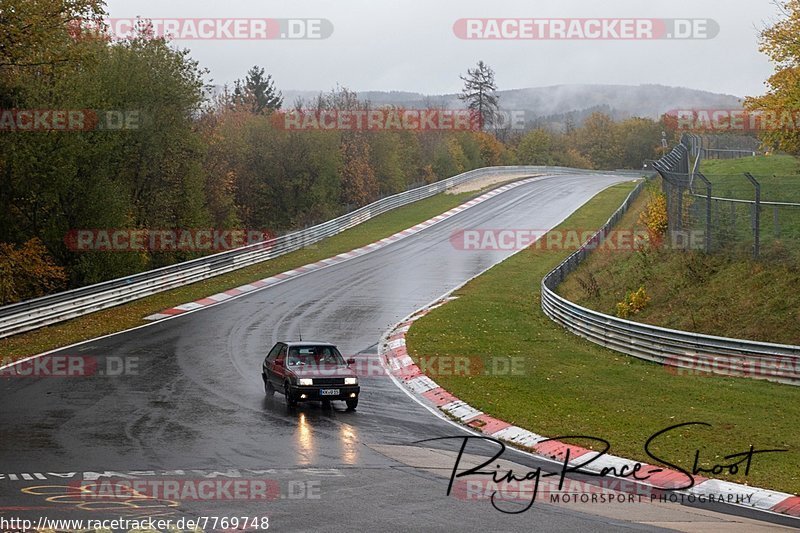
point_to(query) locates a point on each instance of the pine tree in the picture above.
(258, 92)
(480, 93)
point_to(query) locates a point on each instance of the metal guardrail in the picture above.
(38, 312)
(673, 348)
(680, 349)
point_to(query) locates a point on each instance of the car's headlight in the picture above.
(351, 381)
(305, 381)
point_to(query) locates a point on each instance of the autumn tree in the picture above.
(43, 33)
(493, 152)
(571, 157)
(598, 140)
(781, 44)
(395, 158)
(449, 158)
(471, 148)
(480, 93)
(145, 174)
(640, 139)
(359, 184)
(536, 148)
(221, 128)
(28, 271)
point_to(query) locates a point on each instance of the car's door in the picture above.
(266, 367)
(278, 370)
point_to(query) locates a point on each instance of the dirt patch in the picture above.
(488, 181)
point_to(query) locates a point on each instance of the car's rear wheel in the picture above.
(352, 404)
(291, 401)
(268, 388)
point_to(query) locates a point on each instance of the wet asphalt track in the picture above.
(195, 403)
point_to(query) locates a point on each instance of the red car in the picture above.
(306, 371)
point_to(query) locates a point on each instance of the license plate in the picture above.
(329, 392)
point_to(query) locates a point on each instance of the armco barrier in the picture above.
(32, 314)
(691, 352)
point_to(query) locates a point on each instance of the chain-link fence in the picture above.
(728, 145)
(720, 153)
(731, 213)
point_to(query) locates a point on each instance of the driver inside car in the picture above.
(326, 356)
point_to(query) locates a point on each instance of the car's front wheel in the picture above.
(352, 404)
(291, 401)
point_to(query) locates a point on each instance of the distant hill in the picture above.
(554, 103)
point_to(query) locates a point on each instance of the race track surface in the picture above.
(194, 404)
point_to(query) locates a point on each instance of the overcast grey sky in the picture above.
(410, 45)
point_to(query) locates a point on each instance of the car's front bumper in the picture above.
(314, 392)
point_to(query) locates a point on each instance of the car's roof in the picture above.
(307, 343)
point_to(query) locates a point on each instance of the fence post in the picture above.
(708, 211)
(756, 215)
(679, 218)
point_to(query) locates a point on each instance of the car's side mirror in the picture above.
(351, 361)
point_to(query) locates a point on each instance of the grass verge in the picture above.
(779, 176)
(567, 385)
(132, 314)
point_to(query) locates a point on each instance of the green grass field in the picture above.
(572, 386)
(779, 176)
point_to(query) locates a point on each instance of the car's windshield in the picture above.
(314, 355)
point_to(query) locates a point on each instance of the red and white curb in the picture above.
(289, 274)
(401, 366)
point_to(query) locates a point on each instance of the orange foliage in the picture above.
(28, 272)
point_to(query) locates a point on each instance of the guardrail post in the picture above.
(756, 214)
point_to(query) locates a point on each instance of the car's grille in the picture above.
(328, 381)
